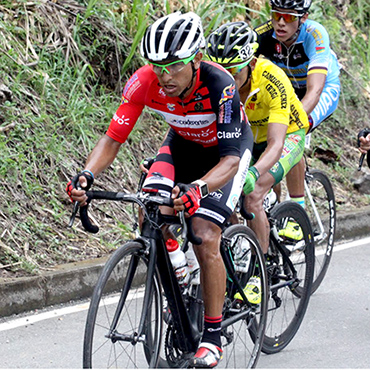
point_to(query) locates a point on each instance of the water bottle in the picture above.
(242, 255)
(270, 200)
(179, 263)
(193, 264)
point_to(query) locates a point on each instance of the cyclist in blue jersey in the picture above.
(301, 47)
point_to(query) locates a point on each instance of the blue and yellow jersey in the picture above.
(311, 53)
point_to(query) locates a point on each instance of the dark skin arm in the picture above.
(101, 157)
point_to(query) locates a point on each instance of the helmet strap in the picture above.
(181, 96)
(249, 77)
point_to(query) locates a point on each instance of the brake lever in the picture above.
(361, 161)
(74, 213)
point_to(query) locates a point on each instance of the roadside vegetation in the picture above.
(63, 65)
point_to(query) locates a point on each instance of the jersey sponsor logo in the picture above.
(124, 100)
(211, 214)
(260, 122)
(294, 138)
(227, 93)
(121, 120)
(263, 28)
(198, 96)
(187, 122)
(280, 86)
(131, 86)
(328, 98)
(296, 118)
(251, 106)
(201, 134)
(198, 106)
(278, 48)
(230, 135)
(129, 83)
(272, 91)
(297, 56)
(225, 112)
(216, 195)
(157, 102)
(162, 93)
(190, 121)
(171, 106)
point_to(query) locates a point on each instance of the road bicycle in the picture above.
(321, 210)
(290, 270)
(140, 317)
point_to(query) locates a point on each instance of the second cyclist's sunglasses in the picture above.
(235, 69)
(288, 17)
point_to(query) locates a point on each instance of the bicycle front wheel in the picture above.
(320, 207)
(243, 333)
(290, 267)
(116, 308)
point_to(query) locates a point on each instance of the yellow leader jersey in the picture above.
(272, 99)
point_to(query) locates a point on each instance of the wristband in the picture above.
(90, 173)
(253, 170)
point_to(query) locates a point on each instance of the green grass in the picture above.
(66, 87)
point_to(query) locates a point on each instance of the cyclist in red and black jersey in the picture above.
(205, 154)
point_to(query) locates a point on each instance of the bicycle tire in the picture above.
(289, 295)
(324, 200)
(245, 335)
(101, 352)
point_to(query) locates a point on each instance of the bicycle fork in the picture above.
(139, 335)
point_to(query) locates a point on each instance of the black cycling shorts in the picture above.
(180, 160)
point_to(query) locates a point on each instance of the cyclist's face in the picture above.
(179, 77)
(285, 23)
(240, 74)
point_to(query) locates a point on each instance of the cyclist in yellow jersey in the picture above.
(277, 118)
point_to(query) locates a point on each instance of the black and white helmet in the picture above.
(175, 36)
(233, 42)
(298, 5)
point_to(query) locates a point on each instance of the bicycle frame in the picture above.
(185, 320)
(322, 234)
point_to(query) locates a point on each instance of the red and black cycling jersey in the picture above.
(210, 115)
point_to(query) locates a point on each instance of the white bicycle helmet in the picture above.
(298, 5)
(175, 36)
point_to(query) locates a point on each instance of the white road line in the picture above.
(355, 243)
(33, 318)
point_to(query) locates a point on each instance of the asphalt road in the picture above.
(335, 332)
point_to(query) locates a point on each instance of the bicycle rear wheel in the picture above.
(290, 267)
(111, 332)
(242, 335)
(320, 207)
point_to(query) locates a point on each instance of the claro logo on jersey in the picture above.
(227, 93)
(229, 135)
(121, 120)
(202, 134)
